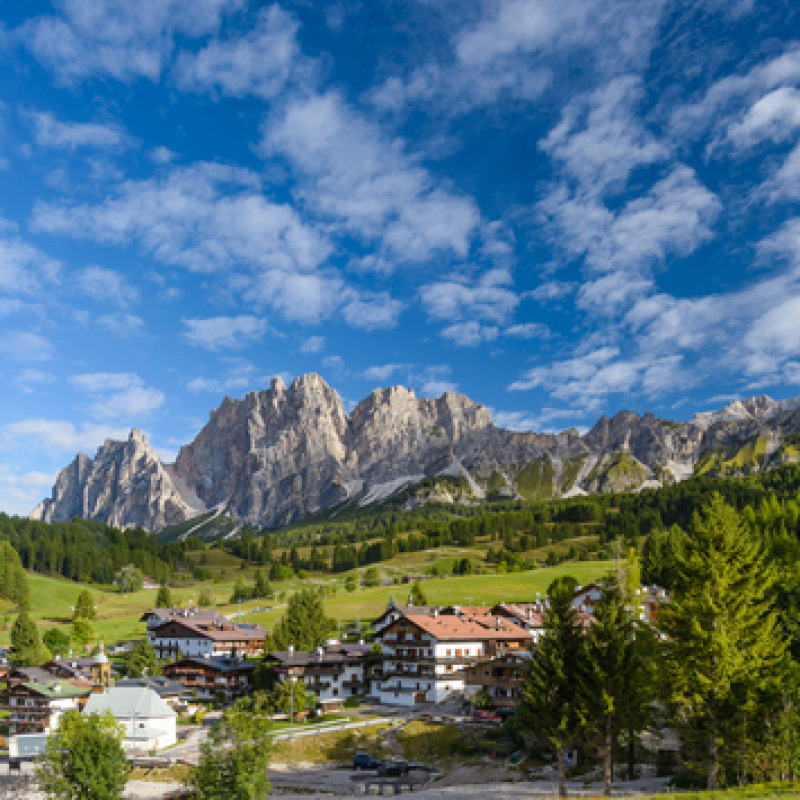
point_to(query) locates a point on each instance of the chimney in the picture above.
(290, 649)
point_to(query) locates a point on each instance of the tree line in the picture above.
(717, 663)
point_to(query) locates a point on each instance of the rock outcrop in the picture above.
(124, 485)
(286, 452)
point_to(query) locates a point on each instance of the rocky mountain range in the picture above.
(286, 452)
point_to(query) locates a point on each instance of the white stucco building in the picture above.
(147, 721)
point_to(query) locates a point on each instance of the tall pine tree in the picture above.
(723, 640)
(551, 699)
(617, 681)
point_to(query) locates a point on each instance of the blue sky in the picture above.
(560, 209)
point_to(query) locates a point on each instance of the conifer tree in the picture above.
(84, 607)
(164, 597)
(26, 649)
(550, 704)
(723, 638)
(617, 680)
(304, 624)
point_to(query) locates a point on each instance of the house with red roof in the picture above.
(425, 655)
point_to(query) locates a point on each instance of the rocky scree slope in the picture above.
(286, 452)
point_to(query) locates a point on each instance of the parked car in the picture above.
(394, 768)
(481, 715)
(366, 761)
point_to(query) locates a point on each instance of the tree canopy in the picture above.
(84, 759)
(304, 624)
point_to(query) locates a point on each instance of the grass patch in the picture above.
(761, 791)
(177, 773)
(535, 482)
(423, 741)
(333, 747)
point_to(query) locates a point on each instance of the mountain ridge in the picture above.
(283, 453)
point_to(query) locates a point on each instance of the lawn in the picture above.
(118, 614)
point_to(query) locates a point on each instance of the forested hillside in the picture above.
(86, 551)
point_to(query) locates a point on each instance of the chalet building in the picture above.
(529, 616)
(585, 598)
(333, 672)
(501, 677)
(193, 636)
(204, 676)
(425, 655)
(95, 669)
(36, 707)
(158, 616)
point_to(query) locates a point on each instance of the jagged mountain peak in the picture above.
(288, 451)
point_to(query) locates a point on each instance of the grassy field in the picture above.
(118, 614)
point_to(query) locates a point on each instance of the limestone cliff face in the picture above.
(272, 457)
(285, 452)
(124, 485)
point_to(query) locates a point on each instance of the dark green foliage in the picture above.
(141, 660)
(83, 759)
(618, 679)
(87, 551)
(234, 759)
(164, 597)
(418, 597)
(56, 641)
(303, 625)
(13, 580)
(26, 649)
(551, 704)
(129, 579)
(84, 607)
(724, 641)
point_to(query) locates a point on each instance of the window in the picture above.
(335, 692)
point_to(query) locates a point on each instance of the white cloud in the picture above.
(775, 117)
(470, 334)
(488, 298)
(720, 109)
(242, 377)
(52, 133)
(25, 346)
(372, 311)
(528, 330)
(106, 286)
(381, 373)
(436, 388)
(600, 138)
(334, 363)
(258, 63)
(107, 38)
(53, 436)
(29, 379)
(125, 326)
(161, 155)
(207, 218)
(552, 290)
(21, 491)
(353, 173)
(216, 332)
(314, 344)
(299, 298)
(512, 48)
(620, 249)
(24, 269)
(118, 395)
(587, 380)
